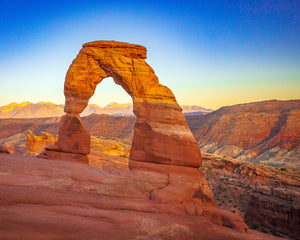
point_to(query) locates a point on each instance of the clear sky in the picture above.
(209, 53)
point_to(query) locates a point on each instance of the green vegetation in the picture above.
(253, 226)
(283, 169)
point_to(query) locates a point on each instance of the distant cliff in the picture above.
(265, 132)
(268, 198)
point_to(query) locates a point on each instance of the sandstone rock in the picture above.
(36, 144)
(162, 144)
(73, 157)
(161, 133)
(267, 197)
(275, 209)
(261, 132)
(185, 184)
(233, 221)
(67, 200)
(73, 137)
(11, 149)
(6, 149)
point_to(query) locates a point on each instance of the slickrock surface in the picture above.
(47, 199)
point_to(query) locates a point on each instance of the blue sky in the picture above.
(210, 53)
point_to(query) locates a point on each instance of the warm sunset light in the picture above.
(150, 119)
(209, 53)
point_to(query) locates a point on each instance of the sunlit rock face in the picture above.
(161, 134)
(162, 144)
(36, 144)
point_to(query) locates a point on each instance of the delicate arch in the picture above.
(161, 134)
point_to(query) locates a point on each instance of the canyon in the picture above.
(264, 132)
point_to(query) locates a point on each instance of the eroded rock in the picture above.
(162, 144)
(36, 144)
(67, 200)
(161, 134)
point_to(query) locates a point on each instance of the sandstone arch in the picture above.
(162, 141)
(161, 134)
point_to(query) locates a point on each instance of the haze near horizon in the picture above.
(209, 53)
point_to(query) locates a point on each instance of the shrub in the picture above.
(253, 226)
(283, 169)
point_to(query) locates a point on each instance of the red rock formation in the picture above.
(256, 131)
(46, 199)
(6, 149)
(257, 126)
(11, 149)
(36, 144)
(277, 209)
(161, 134)
(10, 127)
(73, 137)
(162, 141)
(267, 197)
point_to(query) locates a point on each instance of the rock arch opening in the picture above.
(161, 134)
(111, 124)
(109, 97)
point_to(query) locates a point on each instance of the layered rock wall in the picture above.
(277, 209)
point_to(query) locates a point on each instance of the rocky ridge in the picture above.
(48, 109)
(276, 151)
(265, 132)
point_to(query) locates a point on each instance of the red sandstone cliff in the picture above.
(266, 132)
(268, 198)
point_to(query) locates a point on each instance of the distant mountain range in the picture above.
(48, 109)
